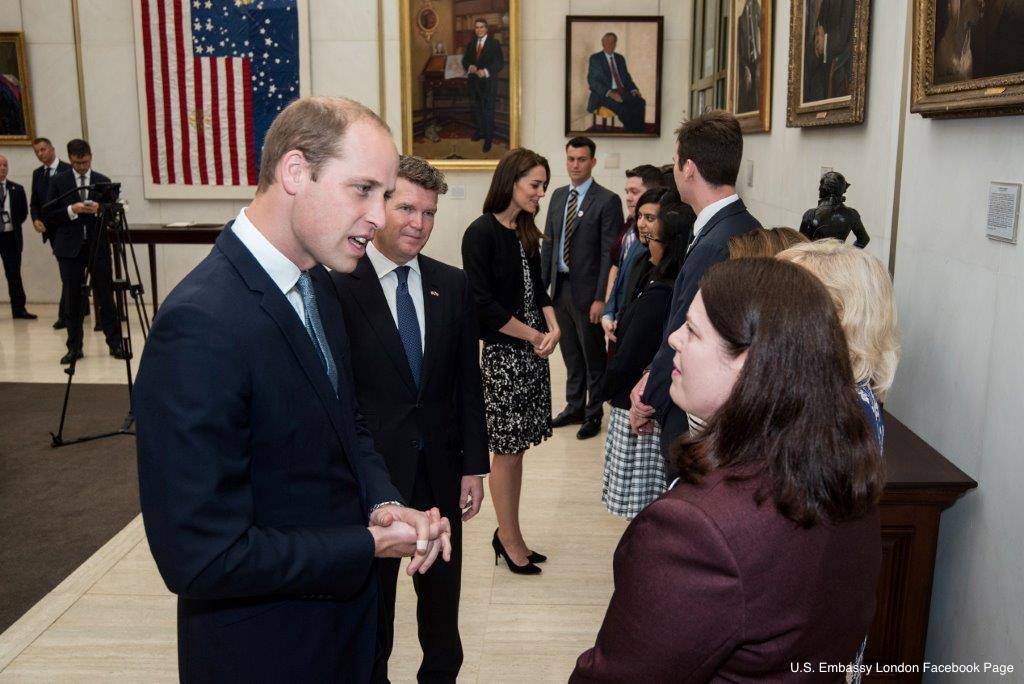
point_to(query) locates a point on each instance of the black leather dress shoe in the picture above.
(59, 324)
(566, 417)
(26, 315)
(118, 353)
(590, 427)
(71, 356)
(487, 145)
(98, 327)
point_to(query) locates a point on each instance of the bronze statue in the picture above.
(831, 218)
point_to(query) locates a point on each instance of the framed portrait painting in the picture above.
(750, 64)
(968, 58)
(16, 125)
(828, 62)
(613, 75)
(460, 81)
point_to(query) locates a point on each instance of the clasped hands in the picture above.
(399, 531)
(544, 343)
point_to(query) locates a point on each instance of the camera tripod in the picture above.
(125, 282)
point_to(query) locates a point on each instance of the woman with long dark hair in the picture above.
(501, 256)
(634, 470)
(767, 552)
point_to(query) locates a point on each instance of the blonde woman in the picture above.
(861, 290)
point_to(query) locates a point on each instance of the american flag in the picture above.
(216, 73)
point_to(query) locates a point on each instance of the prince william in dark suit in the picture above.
(264, 501)
(415, 355)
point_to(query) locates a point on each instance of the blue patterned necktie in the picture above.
(408, 324)
(316, 329)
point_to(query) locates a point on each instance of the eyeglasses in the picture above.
(650, 238)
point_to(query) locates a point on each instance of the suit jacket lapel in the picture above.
(730, 209)
(274, 303)
(433, 315)
(588, 199)
(370, 298)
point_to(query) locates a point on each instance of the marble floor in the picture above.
(113, 619)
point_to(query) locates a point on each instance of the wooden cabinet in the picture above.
(921, 484)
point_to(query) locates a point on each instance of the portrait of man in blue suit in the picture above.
(612, 87)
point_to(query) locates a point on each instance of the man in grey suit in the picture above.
(582, 222)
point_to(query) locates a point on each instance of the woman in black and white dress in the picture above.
(501, 257)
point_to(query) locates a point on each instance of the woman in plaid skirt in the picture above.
(634, 471)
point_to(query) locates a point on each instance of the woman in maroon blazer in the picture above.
(765, 555)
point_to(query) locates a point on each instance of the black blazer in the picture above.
(490, 58)
(638, 336)
(444, 417)
(41, 190)
(65, 234)
(708, 248)
(256, 480)
(490, 255)
(590, 249)
(19, 209)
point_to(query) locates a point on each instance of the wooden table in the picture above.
(153, 234)
(921, 484)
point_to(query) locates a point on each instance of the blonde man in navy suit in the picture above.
(415, 356)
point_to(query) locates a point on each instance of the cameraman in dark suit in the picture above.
(15, 209)
(41, 177)
(415, 355)
(709, 148)
(582, 222)
(76, 236)
(482, 62)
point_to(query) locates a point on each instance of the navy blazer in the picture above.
(19, 209)
(441, 420)
(66, 234)
(599, 77)
(708, 248)
(41, 190)
(256, 480)
(590, 247)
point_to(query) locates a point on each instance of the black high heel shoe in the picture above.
(535, 557)
(499, 550)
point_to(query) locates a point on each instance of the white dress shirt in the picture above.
(6, 192)
(385, 269)
(280, 268)
(78, 183)
(707, 212)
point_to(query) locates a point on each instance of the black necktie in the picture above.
(82, 194)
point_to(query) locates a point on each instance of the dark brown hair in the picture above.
(793, 418)
(582, 141)
(714, 142)
(36, 141)
(648, 174)
(511, 168)
(764, 242)
(78, 148)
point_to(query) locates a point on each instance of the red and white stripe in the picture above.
(199, 109)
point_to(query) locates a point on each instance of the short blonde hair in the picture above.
(314, 126)
(861, 289)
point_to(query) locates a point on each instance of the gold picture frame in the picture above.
(941, 90)
(17, 126)
(419, 109)
(757, 85)
(834, 92)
